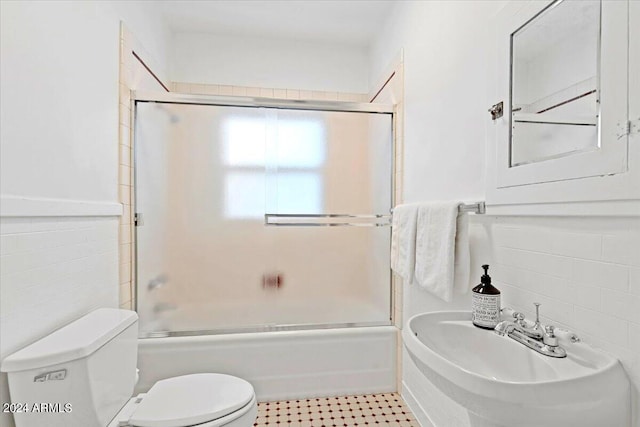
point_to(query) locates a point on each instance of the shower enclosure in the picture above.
(260, 215)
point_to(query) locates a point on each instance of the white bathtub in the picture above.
(281, 365)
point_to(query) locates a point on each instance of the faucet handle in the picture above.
(549, 338)
(519, 318)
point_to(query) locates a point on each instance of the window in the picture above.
(273, 164)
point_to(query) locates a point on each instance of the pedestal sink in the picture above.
(503, 383)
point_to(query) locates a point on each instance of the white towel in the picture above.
(442, 249)
(403, 240)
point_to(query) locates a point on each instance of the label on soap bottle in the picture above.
(485, 310)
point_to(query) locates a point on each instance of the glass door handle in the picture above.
(327, 220)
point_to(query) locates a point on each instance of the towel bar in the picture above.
(381, 220)
(476, 208)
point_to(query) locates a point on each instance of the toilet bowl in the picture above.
(84, 374)
(202, 400)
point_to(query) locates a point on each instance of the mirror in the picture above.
(555, 93)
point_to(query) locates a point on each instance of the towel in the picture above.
(403, 240)
(442, 249)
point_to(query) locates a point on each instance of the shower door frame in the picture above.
(257, 102)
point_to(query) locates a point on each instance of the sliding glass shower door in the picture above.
(236, 229)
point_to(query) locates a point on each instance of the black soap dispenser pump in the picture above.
(485, 302)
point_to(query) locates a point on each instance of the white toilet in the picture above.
(83, 375)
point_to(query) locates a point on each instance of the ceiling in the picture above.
(353, 22)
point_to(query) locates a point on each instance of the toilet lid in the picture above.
(191, 399)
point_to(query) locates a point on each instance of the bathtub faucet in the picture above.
(157, 282)
(542, 340)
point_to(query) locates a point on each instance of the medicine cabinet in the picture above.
(561, 70)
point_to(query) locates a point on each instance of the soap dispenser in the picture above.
(485, 303)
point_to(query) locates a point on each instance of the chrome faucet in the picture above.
(519, 324)
(542, 340)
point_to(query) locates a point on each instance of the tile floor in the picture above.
(385, 409)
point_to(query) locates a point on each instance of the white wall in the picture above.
(59, 72)
(556, 261)
(145, 20)
(59, 108)
(445, 91)
(269, 63)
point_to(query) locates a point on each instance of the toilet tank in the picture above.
(78, 376)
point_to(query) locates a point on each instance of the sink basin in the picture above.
(503, 383)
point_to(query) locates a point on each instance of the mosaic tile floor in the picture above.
(386, 409)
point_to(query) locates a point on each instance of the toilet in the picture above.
(83, 375)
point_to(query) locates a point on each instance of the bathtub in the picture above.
(283, 364)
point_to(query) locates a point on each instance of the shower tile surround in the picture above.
(386, 409)
(390, 89)
(125, 172)
(126, 189)
(258, 92)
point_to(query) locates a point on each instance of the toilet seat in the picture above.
(191, 400)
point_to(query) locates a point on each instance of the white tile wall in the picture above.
(209, 89)
(52, 270)
(584, 271)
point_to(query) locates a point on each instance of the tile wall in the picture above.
(308, 95)
(584, 271)
(390, 89)
(125, 172)
(53, 270)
